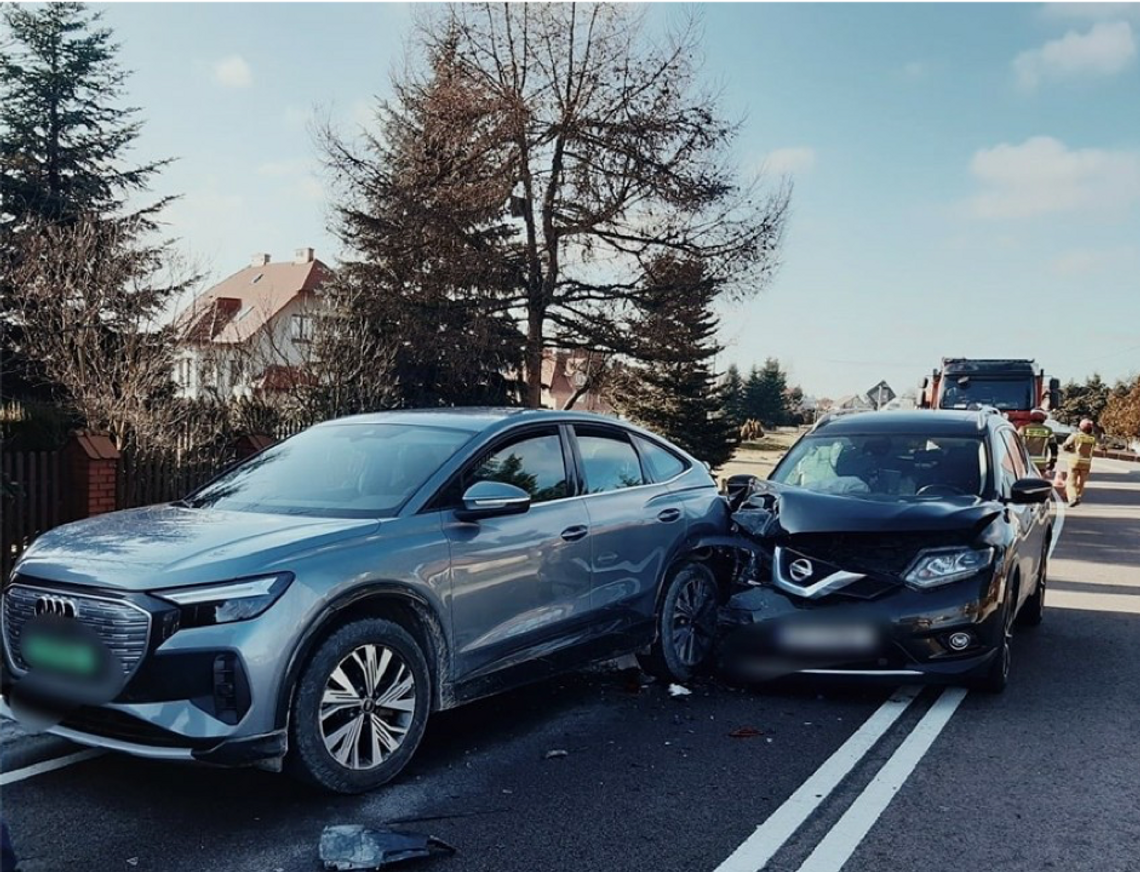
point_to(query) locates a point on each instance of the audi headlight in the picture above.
(933, 568)
(227, 602)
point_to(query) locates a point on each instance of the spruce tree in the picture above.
(64, 143)
(766, 394)
(676, 393)
(437, 286)
(733, 388)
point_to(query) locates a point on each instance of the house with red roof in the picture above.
(253, 331)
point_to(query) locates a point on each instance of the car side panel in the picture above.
(519, 588)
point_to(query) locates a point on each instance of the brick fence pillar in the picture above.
(91, 464)
(248, 444)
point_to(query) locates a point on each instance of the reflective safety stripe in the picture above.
(1083, 445)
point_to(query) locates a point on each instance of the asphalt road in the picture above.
(1042, 777)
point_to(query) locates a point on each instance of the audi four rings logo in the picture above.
(56, 607)
(801, 570)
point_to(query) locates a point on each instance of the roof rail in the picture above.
(984, 412)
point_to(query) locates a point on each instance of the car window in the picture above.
(335, 470)
(663, 464)
(1004, 463)
(886, 466)
(533, 463)
(1016, 452)
(609, 462)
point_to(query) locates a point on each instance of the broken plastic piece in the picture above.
(355, 847)
(557, 752)
(745, 733)
(678, 690)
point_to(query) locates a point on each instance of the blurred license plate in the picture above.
(828, 638)
(73, 656)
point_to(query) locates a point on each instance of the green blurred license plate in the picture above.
(61, 655)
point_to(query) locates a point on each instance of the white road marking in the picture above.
(840, 843)
(48, 766)
(781, 825)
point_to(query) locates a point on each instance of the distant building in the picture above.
(852, 402)
(564, 374)
(250, 332)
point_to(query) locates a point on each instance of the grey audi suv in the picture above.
(314, 605)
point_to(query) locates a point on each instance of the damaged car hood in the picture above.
(795, 510)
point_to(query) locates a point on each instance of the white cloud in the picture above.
(1091, 11)
(1107, 49)
(233, 72)
(1044, 176)
(799, 159)
(916, 70)
(1086, 261)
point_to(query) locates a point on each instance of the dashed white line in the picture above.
(840, 843)
(47, 766)
(771, 835)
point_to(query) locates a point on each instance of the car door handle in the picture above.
(573, 534)
(668, 516)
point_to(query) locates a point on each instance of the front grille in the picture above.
(122, 627)
(871, 553)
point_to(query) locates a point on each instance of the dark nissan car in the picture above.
(891, 543)
(318, 602)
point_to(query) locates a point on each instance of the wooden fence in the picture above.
(31, 501)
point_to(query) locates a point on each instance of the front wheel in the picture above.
(996, 677)
(686, 624)
(1033, 612)
(360, 708)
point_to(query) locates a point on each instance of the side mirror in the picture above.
(1054, 394)
(1026, 491)
(490, 499)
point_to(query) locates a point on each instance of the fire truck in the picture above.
(1015, 387)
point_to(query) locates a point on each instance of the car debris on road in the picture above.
(356, 848)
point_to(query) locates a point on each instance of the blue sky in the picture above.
(967, 177)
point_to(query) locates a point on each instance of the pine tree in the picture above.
(64, 138)
(435, 285)
(676, 393)
(766, 394)
(733, 387)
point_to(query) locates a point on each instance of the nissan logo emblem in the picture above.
(801, 570)
(56, 607)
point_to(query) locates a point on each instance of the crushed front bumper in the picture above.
(904, 634)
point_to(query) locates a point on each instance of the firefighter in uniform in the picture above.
(1080, 446)
(1040, 442)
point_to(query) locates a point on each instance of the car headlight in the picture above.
(227, 602)
(933, 568)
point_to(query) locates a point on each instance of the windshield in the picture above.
(898, 466)
(336, 471)
(960, 392)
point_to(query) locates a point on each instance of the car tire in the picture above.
(685, 624)
(995, 679)
(342, 736)
(1033, 611)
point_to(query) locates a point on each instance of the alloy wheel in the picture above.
(694, 620)
(367, 707)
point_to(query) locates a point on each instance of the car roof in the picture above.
(474, 419)
(929, 422)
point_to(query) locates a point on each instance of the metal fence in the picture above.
(31, 500)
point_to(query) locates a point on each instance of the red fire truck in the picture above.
(1016, 387)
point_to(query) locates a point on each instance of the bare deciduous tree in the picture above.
(88, 299)
(586, 151)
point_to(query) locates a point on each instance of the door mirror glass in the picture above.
(1030, 490)
(490, 499)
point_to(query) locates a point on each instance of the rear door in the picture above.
(521, 584)
(636, 524)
